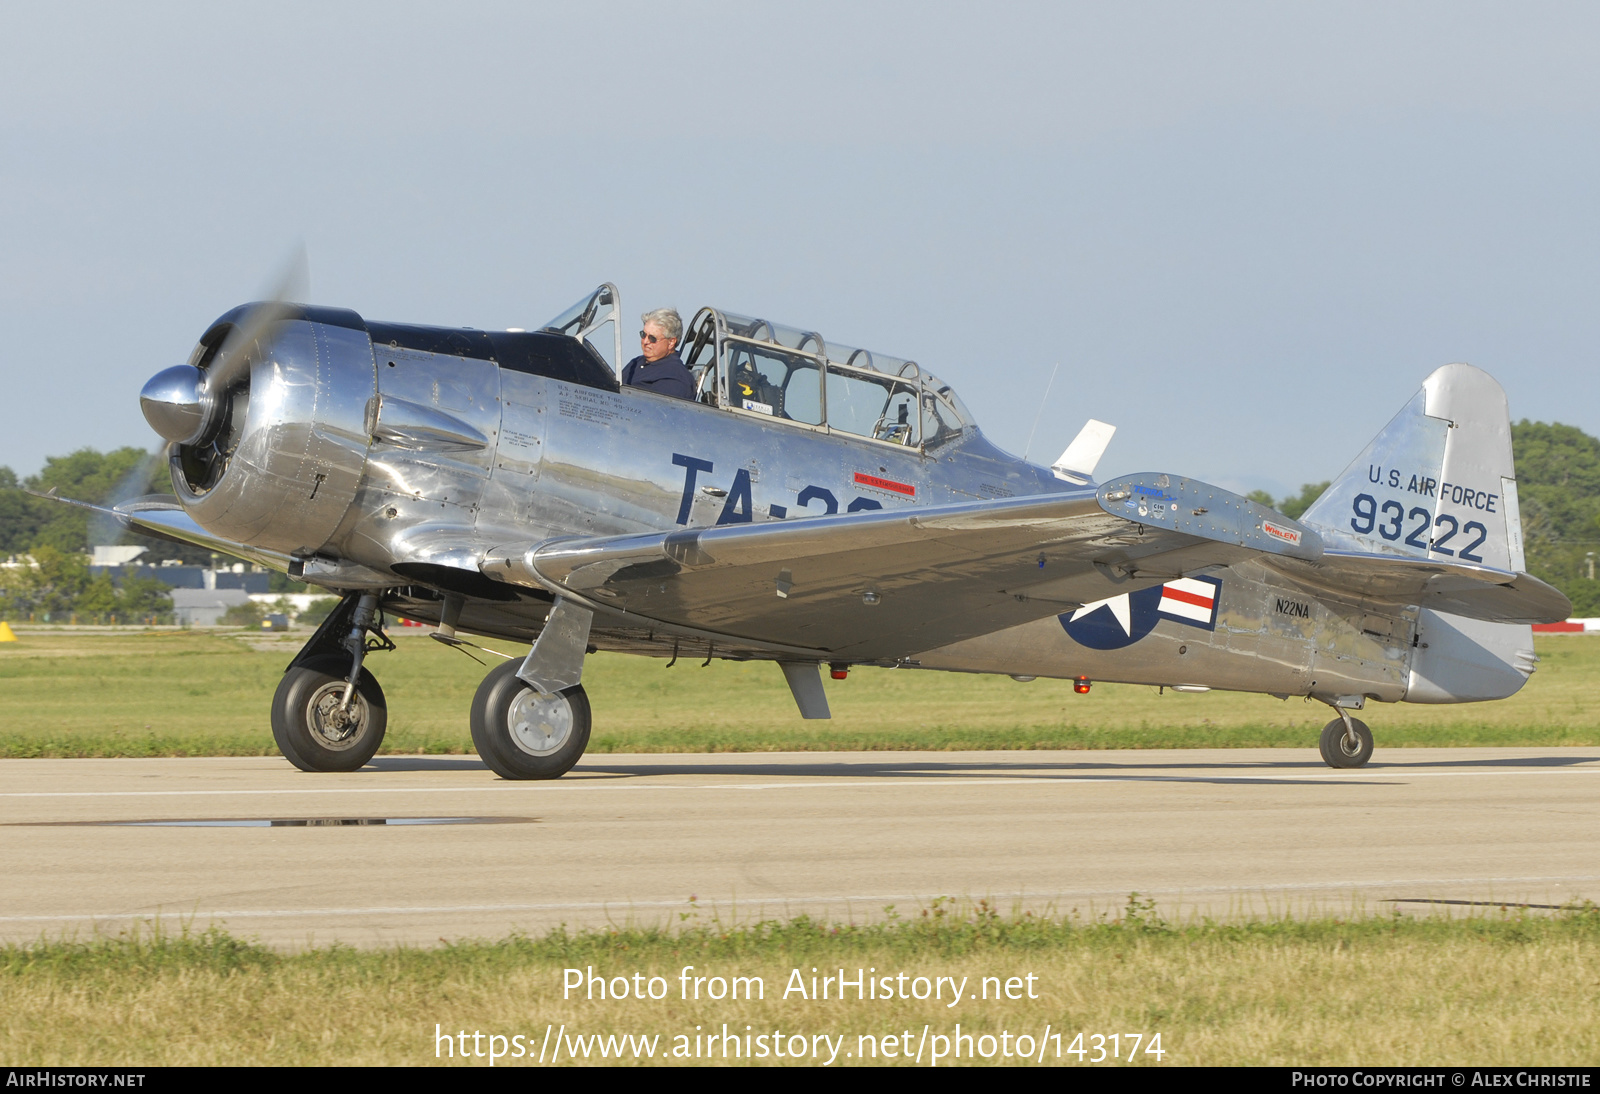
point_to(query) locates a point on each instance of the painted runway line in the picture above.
(888, 782)
(811, 899)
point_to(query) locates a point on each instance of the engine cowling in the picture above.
(269, 432)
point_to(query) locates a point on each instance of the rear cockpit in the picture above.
(758, 368)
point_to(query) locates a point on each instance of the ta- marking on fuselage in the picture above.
(815, 504)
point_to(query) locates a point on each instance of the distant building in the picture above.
(204, 607)
(115, 556)
(118, 563)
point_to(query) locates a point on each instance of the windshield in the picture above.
(596, 321)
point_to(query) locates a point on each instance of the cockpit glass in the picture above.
(873, 406)
(878, 362)
(768, 381)
(940, 422)
(760, 367)
(807, 340)
(869, 394)
(949, 396)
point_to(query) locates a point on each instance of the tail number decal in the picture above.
(1365, 521)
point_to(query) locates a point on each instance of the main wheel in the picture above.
(524, 733)
(313, 729)
(1335, 744)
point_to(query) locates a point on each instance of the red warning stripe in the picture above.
(886, 484)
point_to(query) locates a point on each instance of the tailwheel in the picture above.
(1344, 746)
(316, 728)
(524, 733)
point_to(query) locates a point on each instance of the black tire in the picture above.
(1335, 748)
(304, 723)
(521, 733)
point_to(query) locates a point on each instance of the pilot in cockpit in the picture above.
(658, 367)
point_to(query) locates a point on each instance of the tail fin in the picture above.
(1437, 483)
(1077, 463)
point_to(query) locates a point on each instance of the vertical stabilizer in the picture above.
(1438, 482)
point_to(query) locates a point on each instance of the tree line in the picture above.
(1558, 487)
(57, 538)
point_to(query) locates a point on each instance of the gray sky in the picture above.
(1245, 231)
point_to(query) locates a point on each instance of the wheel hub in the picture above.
(540, 723)
(332, 724)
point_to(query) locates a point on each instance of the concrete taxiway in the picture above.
(92, 845)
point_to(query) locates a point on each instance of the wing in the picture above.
(163, 516)
(885, 585)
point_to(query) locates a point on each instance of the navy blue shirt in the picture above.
(668, 376)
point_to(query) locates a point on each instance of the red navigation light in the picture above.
(838, 672)
(1081, 685)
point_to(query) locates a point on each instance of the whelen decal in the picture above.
(886, 484)
(1280, 533)
(1122, 620)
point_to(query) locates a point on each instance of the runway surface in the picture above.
(632, 839)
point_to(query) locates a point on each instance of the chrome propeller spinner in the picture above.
(188, 404)
(173, 402)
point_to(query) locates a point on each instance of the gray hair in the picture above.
(667, 319)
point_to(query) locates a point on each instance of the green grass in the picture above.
(176, 693)
(1501, 989)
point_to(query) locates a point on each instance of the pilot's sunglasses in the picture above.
(652, 339)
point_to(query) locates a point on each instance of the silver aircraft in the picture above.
(817, 504)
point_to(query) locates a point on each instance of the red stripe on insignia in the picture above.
(1188, 598)
(886, 484)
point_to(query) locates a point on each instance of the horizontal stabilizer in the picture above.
(1459, 588)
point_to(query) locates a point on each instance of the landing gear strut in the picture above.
(328, 713)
